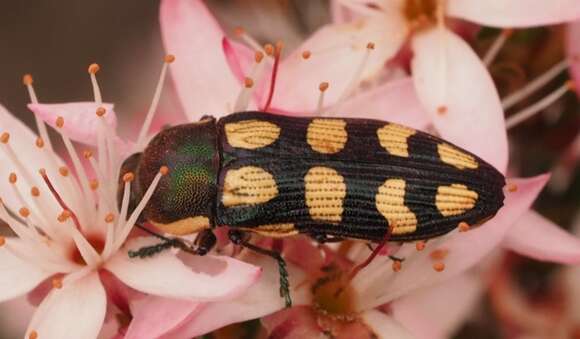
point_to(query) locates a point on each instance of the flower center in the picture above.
(420, 12)
(96, 241)
(334, 296)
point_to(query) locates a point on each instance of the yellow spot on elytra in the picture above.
(251, 134)
(390, 202)
(455, 199)
(248, 185)
(325, 193)
(394, 138)
(455, 157)
(327, 136)
(184, 226)
(273, 230)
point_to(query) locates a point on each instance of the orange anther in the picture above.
(371, 45)
(269, 49)
(12, 178)
(87, 154)
(248, 82)
(27, 79)
(420, 245)
(464, 227)
(239, 31)
(109, 218)
(511, 187)
(128, 177)
(570, 85)
(101, 111)
(2, 241)
(39, 142)
(63, 171)
(306, 54)
(258, 56)
(169, 58)
(24, 212)
(34, 191)
(94, 68)
(5, 137)
(442, 110)
(94, 184)
(397, 266)
(439, 254)
(164, 170)
(323, 86)
(64, 215)
(33, 335)
(57, 282)
(439, 266)
(59, 122)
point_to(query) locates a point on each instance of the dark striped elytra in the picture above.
(350, 178)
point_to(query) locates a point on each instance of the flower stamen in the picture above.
(322, 88)
(164, 170)
(536, 84)
(496, 46)
(356, 78)
(538, 106)
(59, 199)
(27, 80)
(154, 102)
(93, 69)
(277, 51)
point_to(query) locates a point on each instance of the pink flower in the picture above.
(214, 75)
(72, 230)
(451, 81)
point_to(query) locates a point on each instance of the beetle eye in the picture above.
(128, 173)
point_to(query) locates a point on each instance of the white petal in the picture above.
(447, 73)
(337, 52)
(384, 327)
(17, 276)
(515, 13)
(166, 275)
(75, 311)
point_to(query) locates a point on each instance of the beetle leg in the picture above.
(206, 240)
(324, 238)
(243, 239)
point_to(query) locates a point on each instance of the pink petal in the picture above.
(515, 13)
(450, 78)
(202, 76)
(463, 250)
(260, 300)
(383, 326)
(14, 317)
(573, 51)
(337, 52)
(536, 237)
(155, 316)
(167, 276)
(80, 120)
(75, 311)
(395, 101)
(18, 277)
(292, 323)
(422, 311)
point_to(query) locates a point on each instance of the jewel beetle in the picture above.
(328, 178)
